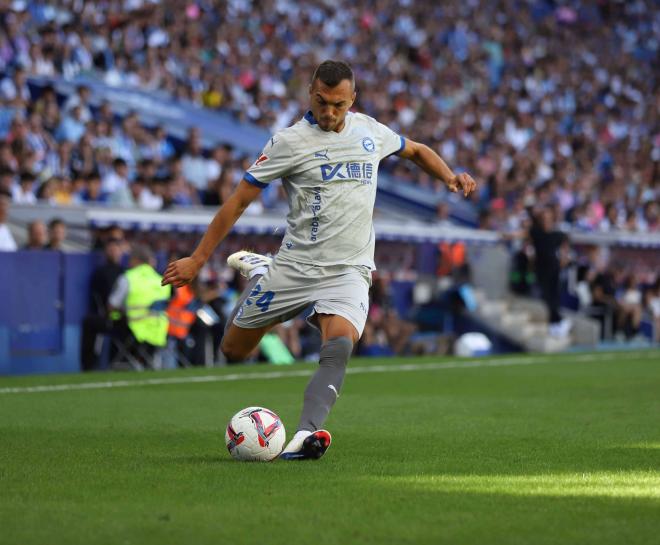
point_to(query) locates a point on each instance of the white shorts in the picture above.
(289, 288)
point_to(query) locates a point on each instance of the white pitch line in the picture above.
(396, 368)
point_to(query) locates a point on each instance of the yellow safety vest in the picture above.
(144, 289)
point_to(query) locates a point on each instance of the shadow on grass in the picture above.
(194, 459)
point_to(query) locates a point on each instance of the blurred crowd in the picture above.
(620, 300)
(66, 153)
(546, 102)
(617, 286)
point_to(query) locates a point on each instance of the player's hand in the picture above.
(181, 272)
(462, 181)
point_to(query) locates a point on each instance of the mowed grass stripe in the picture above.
(393, 368)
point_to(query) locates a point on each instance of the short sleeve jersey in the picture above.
(330, 179)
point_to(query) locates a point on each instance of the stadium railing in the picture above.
(196, 219)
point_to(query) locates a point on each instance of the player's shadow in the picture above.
(194, 460)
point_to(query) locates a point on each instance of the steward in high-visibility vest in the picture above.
(146, 301)
(138, 294)
(452, 257)
(180, 312)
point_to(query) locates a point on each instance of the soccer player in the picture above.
(328, 162)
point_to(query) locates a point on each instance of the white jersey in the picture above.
(330, 179)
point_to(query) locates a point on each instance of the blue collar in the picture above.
(310, 118)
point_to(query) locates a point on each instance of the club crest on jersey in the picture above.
(261, 159)
(368, 144)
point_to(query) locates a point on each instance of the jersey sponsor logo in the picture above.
(329, 172)
(348, 171)
(261, 159)
(316, 208)
(322, 155)
(368, 144)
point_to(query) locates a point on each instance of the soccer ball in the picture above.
(255, 434)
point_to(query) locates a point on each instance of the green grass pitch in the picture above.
(521, 450)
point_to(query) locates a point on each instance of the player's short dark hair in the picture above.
(332, 73)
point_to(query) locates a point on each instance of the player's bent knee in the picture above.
(233, 352)
(238, 343)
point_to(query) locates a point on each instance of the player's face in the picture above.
(329, 105)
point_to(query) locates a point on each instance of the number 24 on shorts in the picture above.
(262, 302)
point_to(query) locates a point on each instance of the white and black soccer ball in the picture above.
(255, 434)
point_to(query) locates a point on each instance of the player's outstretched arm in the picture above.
(429, 161)
(182, 271)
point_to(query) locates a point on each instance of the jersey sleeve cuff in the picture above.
(252, 180)
(403, 145)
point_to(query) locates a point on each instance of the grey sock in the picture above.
(323, 390)
(244, 295)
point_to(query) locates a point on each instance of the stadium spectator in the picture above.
(92, 191)
(14, 90)
(83, 160)
(194, 166)
(442, 215)
(23, 192)
(604, 303)
(652, 307)
(181, 315)
(629, 300)
(160, 148)
(6, 180)
(7, 242)
(522, 277)
(63, 191)
(56, 234)
(98, 321)
(548, 243)
(72, 126)
(37, 236)
(81, 100)
(115, 182)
